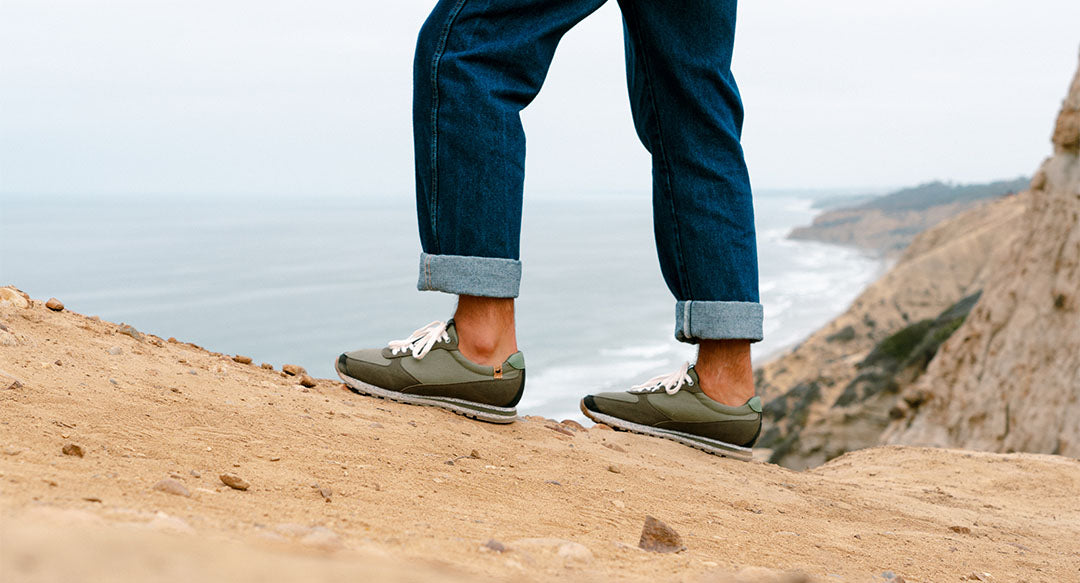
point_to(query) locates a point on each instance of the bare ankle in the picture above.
(725, 372)
(485, 327)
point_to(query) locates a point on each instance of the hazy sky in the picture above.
(245, 96)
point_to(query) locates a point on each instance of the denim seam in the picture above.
(684, 277)
(436, 58)
(686, 319)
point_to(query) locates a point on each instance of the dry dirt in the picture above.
(415, 493)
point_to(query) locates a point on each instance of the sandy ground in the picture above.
(410, 493)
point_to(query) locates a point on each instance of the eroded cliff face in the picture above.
(913, 362)
(808, 418)
(1009, 378)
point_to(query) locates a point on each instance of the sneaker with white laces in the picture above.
(674, 407)
(428, 369)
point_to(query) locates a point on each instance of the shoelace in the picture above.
(421, 340)
(669, 383)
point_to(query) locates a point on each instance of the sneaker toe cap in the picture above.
(369, 366)
(606, 402)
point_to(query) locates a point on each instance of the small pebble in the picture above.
(658, 537)
(235, 482)
(574, 425)
(73, 449)
(267, 366)
(293, 370)
(614, 469)
(306, 381)
(55, 305)
(171, 486)
(130, 331)
(494, 545)
(115, 350)
(560, 429)
(325, 492)
(242, 359)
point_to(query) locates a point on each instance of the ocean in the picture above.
(299, 279)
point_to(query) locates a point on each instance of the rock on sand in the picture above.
(171, 486)
(235, 482)
(659, 537)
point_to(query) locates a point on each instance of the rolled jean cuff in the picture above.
(491, 277)
(696, 321)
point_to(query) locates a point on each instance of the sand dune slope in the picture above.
(415, 493)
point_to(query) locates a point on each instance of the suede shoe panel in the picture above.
(639, 411)
(390, 376)
(497, 392)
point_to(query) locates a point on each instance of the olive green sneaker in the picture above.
(674, 407)
(428, 369)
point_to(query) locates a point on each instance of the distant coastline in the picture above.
(886, 224)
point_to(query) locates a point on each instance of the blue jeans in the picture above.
(480, 62)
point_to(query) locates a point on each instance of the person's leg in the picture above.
(478, 64)
(689, 115)
(724, 368)
(486, 331)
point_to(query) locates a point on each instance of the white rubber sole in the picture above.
(478, 411)
(713, 446)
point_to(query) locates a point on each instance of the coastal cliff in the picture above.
(807, 420)
(972, 339)
(1009, 378)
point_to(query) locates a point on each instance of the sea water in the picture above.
(299, 279)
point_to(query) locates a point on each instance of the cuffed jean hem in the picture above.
(695, 321)
(491, 277)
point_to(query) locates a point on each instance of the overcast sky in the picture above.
(250, 97)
